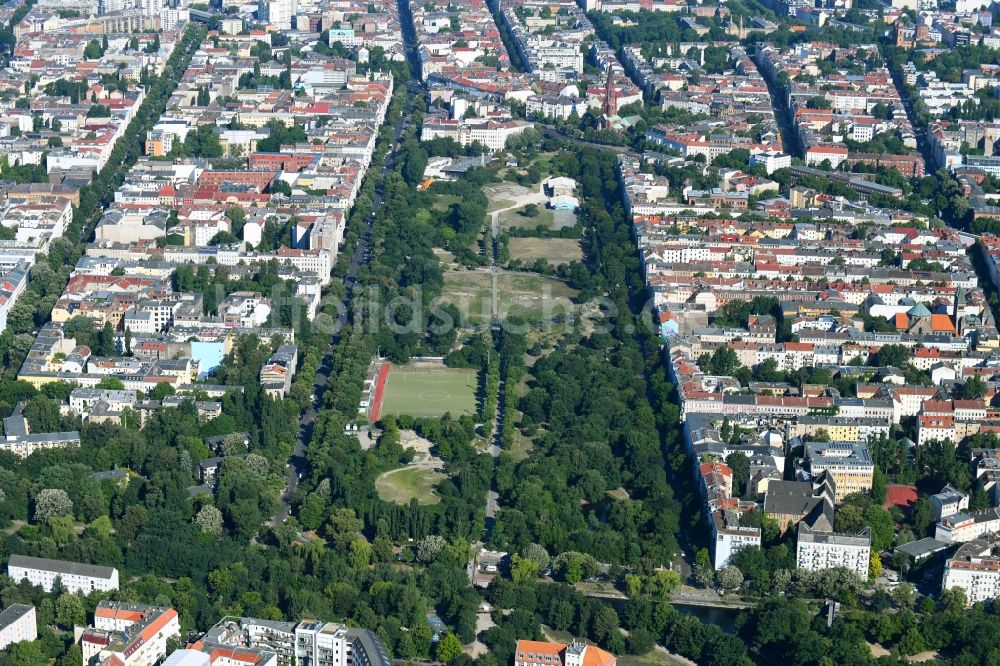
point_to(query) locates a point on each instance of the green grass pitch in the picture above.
(430, 393)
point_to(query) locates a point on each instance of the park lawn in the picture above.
(521, 447)
(470, 292)
(406, 483)
(531, 297)
(498, 204)
(555, 251)
(445, 257)
(430, 392)
(534, 297)
(512, 219)
(444, 201)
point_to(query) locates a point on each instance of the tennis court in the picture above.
(427, 391)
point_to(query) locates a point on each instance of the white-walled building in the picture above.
(976, 570)
(17, 624)
(491, 133)
(278, 13)
(75, 577)
(961, 527)
(818, 550)
(772, 161)
(949, 502)
(728, 536)
(129, 634)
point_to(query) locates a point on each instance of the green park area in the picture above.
(409, 483)
(531, 297)
(555, 251)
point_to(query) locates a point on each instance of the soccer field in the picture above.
(429, 392)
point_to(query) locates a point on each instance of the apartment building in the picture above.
(491, 133)
(849, 463)
(129, 634)
(307, 643)
(17, 624)
(74, 576)
(962, 526)
(276, 375)
(974, 569)
(817, 549)
(728, 536)
(948, 502)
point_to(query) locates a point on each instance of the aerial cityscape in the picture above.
(499, 332)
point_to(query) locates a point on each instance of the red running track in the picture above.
(383, 374)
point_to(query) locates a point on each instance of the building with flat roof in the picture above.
(921, 549)
(17, 624)
(850, 464)
(188, 658)
(816, 550)
(75, 577)
(275, 643)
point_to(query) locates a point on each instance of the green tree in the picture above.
(448, 648)
(61, 528)
(729, 578)
(93, 50)
(523, 569)
(974, 388)
(895, 355)
(70, 610)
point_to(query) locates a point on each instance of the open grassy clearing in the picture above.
(512, 219)
(444, 201)
(498, 204)
(555, 251)
(408, 483)
(532, 297)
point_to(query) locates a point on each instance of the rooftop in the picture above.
(61, 566)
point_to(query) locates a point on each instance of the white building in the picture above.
(728, 536)
(949, 502)
(961, 527)
(555, 106)
(260, 642)
(82, 400)
(491, 133)
(278, 13)
(129, 634)
(321, 643)
(772, 161)
(817, 550)
(75, 577)
(976, 570)
(17, 624)
(171, 18)
(188, 658)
